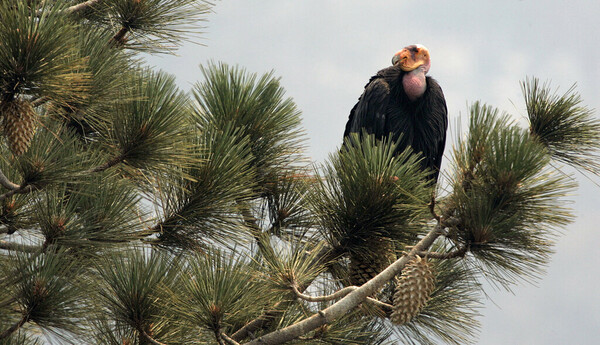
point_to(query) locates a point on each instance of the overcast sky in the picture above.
(325, 52)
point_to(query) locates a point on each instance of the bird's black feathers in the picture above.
(384, 109)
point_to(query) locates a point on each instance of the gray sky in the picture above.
(325, 52)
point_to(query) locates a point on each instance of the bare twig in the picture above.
(326, 254)
(6, 183)
(150, 339)
(350, 301)
(338, 294)
(23, 189)
(228, 339)
(460, 252)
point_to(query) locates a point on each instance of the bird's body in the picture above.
(403, 103)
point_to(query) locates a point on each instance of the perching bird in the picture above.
(402, 101)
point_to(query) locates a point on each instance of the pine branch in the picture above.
(338, 294)
(23, 189)
(109, 164)
(150, 339)
(82, 6)
(18, 247)
(349, 302)
(14, 327)
(119, 38)
(264, 321)
(228, 339)
(6, 183)
(460, 252)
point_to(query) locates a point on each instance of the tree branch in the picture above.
(18, 247)
(81, 7)
(6, 183)
(349, 302)
(460, 252)
(326, 254)
(228, 339)
(111, 163)
(23, 189)
(338, 294)
(150, 339)
(119, 38)
(14, 327)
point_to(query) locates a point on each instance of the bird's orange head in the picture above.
(412, 57)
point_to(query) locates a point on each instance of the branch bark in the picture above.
(18, 247)
(14, 327)
(326, 254)
(351, 300)
(338, 294)
(81, 7)
(23, 189)
(229, 340)
(6, 183)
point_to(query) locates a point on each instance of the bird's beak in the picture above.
(411, 57)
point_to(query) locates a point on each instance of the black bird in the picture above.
(402, 101)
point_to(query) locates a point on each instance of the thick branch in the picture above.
(82, 6)
(18, 247)
(349, 302)
(14, 327)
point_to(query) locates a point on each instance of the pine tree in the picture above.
(132, 212)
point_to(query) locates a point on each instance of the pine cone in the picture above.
(19, 122)
(379, 254)
(413, 290)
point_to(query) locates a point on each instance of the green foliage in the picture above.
(219, 291)
(46, 290)
(38, 55)
(297, 265)
(230, 96)
(507, 199)
(135, 289)
(562, 124)
(157, 26)
(149, 127)
(89, 217)
(55, 157)
(204, 207)
(367, 191)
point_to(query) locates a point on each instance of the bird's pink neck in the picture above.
(414, 83)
